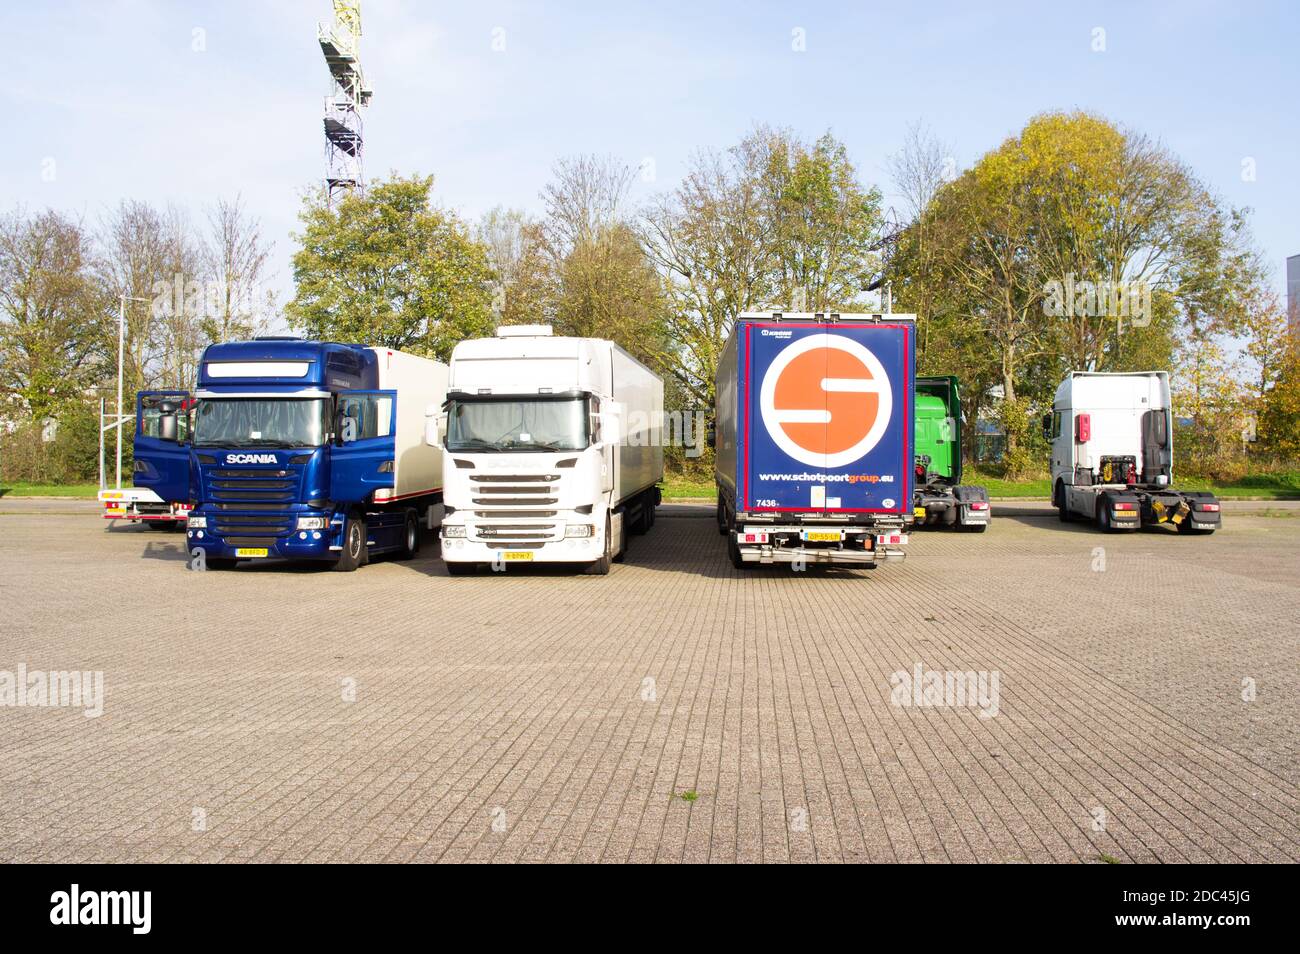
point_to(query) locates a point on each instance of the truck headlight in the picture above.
(453, 530)
(313, 523)
(578, 530)
(197, 523)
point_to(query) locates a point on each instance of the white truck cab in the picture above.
(1111, 436)
(552, 450)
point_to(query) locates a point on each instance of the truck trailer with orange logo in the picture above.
(814, 438)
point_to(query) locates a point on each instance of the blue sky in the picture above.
(116, 95)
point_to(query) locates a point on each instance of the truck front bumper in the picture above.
(297, 545)
(568, 550)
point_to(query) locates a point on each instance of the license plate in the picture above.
(250, 551)
(517, 555)
(822, 535)
(918, 511)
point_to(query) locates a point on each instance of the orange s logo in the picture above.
(826, 400)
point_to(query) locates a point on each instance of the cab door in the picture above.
(163, 464)
(363, 457)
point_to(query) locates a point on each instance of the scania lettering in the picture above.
(303, 450)
(813, 434)
(553, 451)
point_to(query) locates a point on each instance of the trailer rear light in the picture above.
(753, 538)
(1212, 508)
(1125, 506)
(979, 505)
(887, 539)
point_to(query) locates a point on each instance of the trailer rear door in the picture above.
(827, 417)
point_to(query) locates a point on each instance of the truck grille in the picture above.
(274, 524)
(503, 491)
(254, 486)
(250, 507)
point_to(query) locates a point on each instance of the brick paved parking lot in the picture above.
(1140, 701)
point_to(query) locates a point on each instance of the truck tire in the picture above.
(410, 537)
(1058, 498)
(722, 517)
(624, 535)
(601, 567)
(733, 551)
(1103, 518)
(354, 545)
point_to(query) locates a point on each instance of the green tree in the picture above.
(771, 224)
(54, 315)
(388, 268)
(1074, 245)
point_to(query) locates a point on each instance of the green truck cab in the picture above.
(940, 499)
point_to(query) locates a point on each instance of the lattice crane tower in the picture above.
(340, 43)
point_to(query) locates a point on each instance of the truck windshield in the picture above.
(517, 424)
(261, 422)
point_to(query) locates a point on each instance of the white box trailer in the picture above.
(553, 450)
(420, 382)
(1112, 454)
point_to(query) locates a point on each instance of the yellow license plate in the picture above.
(918, 511)
(831, 535)
(250, 551)
(517, 555)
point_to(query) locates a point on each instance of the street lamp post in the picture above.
(121, 348)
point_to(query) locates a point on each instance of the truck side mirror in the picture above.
(711, 434)
(1047, 427)
(435, 426)
(610, 430)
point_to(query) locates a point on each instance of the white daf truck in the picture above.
(1112, 455)
(553, 450)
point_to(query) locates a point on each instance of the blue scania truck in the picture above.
(814, 434)
(302, 450)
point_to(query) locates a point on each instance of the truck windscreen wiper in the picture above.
(473, 443)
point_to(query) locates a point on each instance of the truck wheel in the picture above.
(1058, 498)
(601, 567)
(722, 517)
(623, 538)
(354, 545)
(410, 538)
(733, 551)
(1103, 518)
